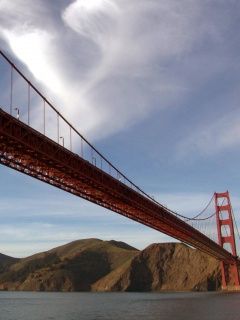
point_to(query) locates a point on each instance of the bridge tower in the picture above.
(225, 227)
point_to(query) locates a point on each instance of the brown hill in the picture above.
(96, 265)
(72, 267)
(164, 267)
(6, 261)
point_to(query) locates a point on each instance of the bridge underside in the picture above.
(26, 150)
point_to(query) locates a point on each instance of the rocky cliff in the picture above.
(164, 267)
(96, 265)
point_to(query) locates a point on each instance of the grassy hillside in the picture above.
(6, 262)
(72, 267)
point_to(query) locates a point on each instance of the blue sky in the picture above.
(153, 84)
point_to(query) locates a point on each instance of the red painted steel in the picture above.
(230, 272)
(28, 151)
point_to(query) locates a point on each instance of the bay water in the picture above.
(119, 306)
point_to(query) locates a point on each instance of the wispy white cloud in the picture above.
(93, 19)
(35, 58)
(27, 239)
(112, 63)
(70, 207)
(22, 237)
(191, 203)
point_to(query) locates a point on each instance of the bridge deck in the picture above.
(26, 150)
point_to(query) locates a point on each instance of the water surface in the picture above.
(119, 306)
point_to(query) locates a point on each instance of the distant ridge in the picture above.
(97, 265)
(122, 245)
(6, 261)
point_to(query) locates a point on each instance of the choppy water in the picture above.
(119, 306)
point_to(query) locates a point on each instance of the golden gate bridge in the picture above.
(37, 140)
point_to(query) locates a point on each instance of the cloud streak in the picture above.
(26, 239)
(111, 64)
(212, 138)
(27, 231)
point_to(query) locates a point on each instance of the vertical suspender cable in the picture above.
(11, 90)
(28, 103)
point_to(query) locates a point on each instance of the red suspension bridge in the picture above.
(37, 140)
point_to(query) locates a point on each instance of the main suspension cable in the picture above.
(235, 222)
(201, 212)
